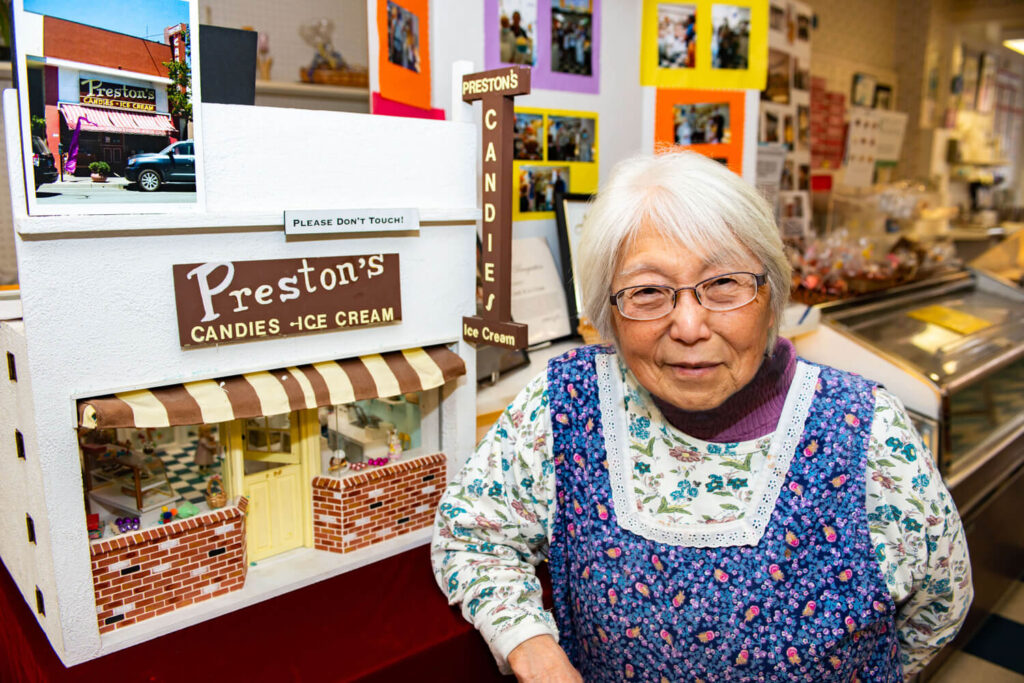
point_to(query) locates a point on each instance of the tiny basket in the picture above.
(215, 496)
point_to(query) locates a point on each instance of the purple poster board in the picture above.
(543, 74)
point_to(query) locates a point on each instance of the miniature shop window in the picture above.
(377, 431)
(31, 526)
(19, 442)
(40, 605)
(12, 369)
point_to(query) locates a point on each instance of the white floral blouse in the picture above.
(494, 521)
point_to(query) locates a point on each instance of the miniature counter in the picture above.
(141, 574)
(357, 509)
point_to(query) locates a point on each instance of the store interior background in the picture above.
(893, 41)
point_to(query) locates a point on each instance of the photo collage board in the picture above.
(560, 40)
(554, 151)
(403, 60)
(110, 120)
(786, 109)
(701, 44)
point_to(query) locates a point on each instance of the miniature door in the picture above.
(267, 463)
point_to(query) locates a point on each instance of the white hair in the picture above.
(690, 199)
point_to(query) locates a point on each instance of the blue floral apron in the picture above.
(807, 602)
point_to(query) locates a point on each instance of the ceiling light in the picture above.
(1017, 45)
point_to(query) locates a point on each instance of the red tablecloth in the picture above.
(384, 622)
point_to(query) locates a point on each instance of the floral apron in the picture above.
(807, 602)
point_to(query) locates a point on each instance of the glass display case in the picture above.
(952, 349)
(965, 336)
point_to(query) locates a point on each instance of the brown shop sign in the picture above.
(497, 90)
(224, 302)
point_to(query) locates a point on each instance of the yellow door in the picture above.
(272, 481)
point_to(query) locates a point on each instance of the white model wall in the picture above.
(98, 297)
(22, 487)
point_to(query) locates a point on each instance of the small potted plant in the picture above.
(99, 170)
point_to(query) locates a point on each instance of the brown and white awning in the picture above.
(274, 391)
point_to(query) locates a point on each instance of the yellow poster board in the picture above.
(705, 44)
(554, 150)
(951, 319)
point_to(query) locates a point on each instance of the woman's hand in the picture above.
(540, 659)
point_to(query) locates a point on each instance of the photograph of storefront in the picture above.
(101, 91)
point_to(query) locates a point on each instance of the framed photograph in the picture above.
(110, 123)
(570, 211)
(571, 138)
(537, 187)
(883, 97)
(559, 39)
(677, 36)
(403, 57)
(555, 151)
(778, 86)
(776, 18)
(803, 27)
(711, 122)
(702, 124)
(528, 143)
(704, 44)
(730, 37)
(862, 92)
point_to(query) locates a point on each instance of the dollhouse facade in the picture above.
(331, 448)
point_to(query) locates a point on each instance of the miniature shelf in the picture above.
(111, 495)
(311, 90)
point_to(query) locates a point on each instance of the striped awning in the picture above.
(274, 391)
(98, 119)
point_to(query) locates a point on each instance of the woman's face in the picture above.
(693, 358)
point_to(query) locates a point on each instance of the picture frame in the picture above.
(862, 90)
(883, 97)
(559, 39)
(570, 210)
(403, 55)
(100, 88)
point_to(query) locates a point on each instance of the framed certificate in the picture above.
(570, 210)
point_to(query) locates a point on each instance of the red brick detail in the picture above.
(151, 594)
(347, 517)
(80, 43)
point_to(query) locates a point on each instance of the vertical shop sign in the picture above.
(497, 90)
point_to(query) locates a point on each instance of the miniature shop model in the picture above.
(218, 473)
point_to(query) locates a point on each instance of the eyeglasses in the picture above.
(719, 293)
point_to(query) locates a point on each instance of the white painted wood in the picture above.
(99, 315)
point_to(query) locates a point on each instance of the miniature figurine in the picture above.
(394, 445)
(263, 59)
(206, 449)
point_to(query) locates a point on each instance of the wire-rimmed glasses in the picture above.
(719, 293)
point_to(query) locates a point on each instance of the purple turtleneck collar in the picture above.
(751, 412)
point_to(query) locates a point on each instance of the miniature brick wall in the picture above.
(142, 574)
(376, 504)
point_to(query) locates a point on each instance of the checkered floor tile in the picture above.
(184, 474)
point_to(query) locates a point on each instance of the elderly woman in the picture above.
(711, 506)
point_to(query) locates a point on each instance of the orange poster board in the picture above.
(710, 122)
(403, 57)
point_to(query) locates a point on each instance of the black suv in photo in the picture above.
(175, 163)
(43, 167)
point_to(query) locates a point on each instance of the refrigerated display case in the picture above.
(952, 349)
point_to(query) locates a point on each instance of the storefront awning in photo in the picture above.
(274, 391)
(112, 121)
